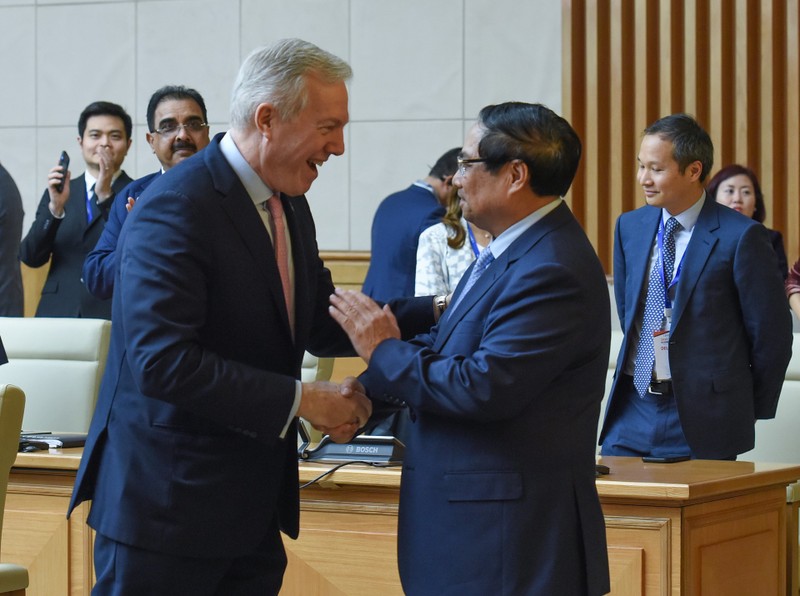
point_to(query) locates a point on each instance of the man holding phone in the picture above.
(72, 213)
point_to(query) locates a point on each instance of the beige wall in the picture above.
(422, 70)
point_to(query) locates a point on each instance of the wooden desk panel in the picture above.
(691, 528)
(671, 529)
(36, 532)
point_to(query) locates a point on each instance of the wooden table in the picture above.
(36, 532)
(697, 527)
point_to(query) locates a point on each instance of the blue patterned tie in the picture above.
(89, 214)
(484, 260)
(654, 310)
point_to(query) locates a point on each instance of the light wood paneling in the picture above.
(670, 528)
(348, 268)
(733, 64)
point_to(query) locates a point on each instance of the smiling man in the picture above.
(69, 222)
(191, 458)
(498, 492)
(178, 125)
(708, 334)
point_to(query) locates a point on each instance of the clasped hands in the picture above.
(340, 410)
(336, 410)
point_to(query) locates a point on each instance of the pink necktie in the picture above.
(281, 252)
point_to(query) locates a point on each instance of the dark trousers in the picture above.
(644, 425)
(124, 570)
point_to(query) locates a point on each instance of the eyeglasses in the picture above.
(464, 162)
(171, 128)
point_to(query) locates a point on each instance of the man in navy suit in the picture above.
(191, 457)
(400, 219)
(11, 215)
(720, 319)
(498, 493)
(69, 223)
(178, 125)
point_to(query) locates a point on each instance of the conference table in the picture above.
(694, 527)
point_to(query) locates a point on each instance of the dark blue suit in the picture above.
(498, 493)
(100, 265)
(398, 222)
(731, 334)
(12, 302)
(183, 455)
(65, 243)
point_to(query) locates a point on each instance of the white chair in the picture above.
(316, 369)
(58, 363)
(13, 578)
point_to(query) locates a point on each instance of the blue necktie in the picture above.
(89, 215)
(484, 260)
(654, 309)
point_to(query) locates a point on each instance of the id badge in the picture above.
(661, 351)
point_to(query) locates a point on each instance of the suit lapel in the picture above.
(695, 258)
(247, 222)
(118, 185)
(495, 271)
(638, 248)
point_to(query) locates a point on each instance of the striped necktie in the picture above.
(484, 260)
(89, 213)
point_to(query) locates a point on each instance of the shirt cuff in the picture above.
(298, 394)
(62, 216)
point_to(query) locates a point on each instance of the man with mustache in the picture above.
(178, 124)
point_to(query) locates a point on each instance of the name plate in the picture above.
(368, 448)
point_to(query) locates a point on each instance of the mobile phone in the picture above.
(671, 459)
(63, 161)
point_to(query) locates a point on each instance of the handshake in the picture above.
(336, 410)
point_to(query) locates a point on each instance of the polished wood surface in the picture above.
(37, 534)
(689, 481)
(697, 527)
(54, 459)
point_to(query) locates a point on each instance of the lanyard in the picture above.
(660, 237)
(472, 241)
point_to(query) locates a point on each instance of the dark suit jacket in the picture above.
(66, 242)
(183, 454)
(776, 239)
(396, 227)
(731, 335)
(100, 265)
(11, 215)
(498, 493)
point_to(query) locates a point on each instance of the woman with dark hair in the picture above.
(446, 250)
(737, 187)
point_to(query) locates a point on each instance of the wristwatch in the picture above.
(440, 302)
